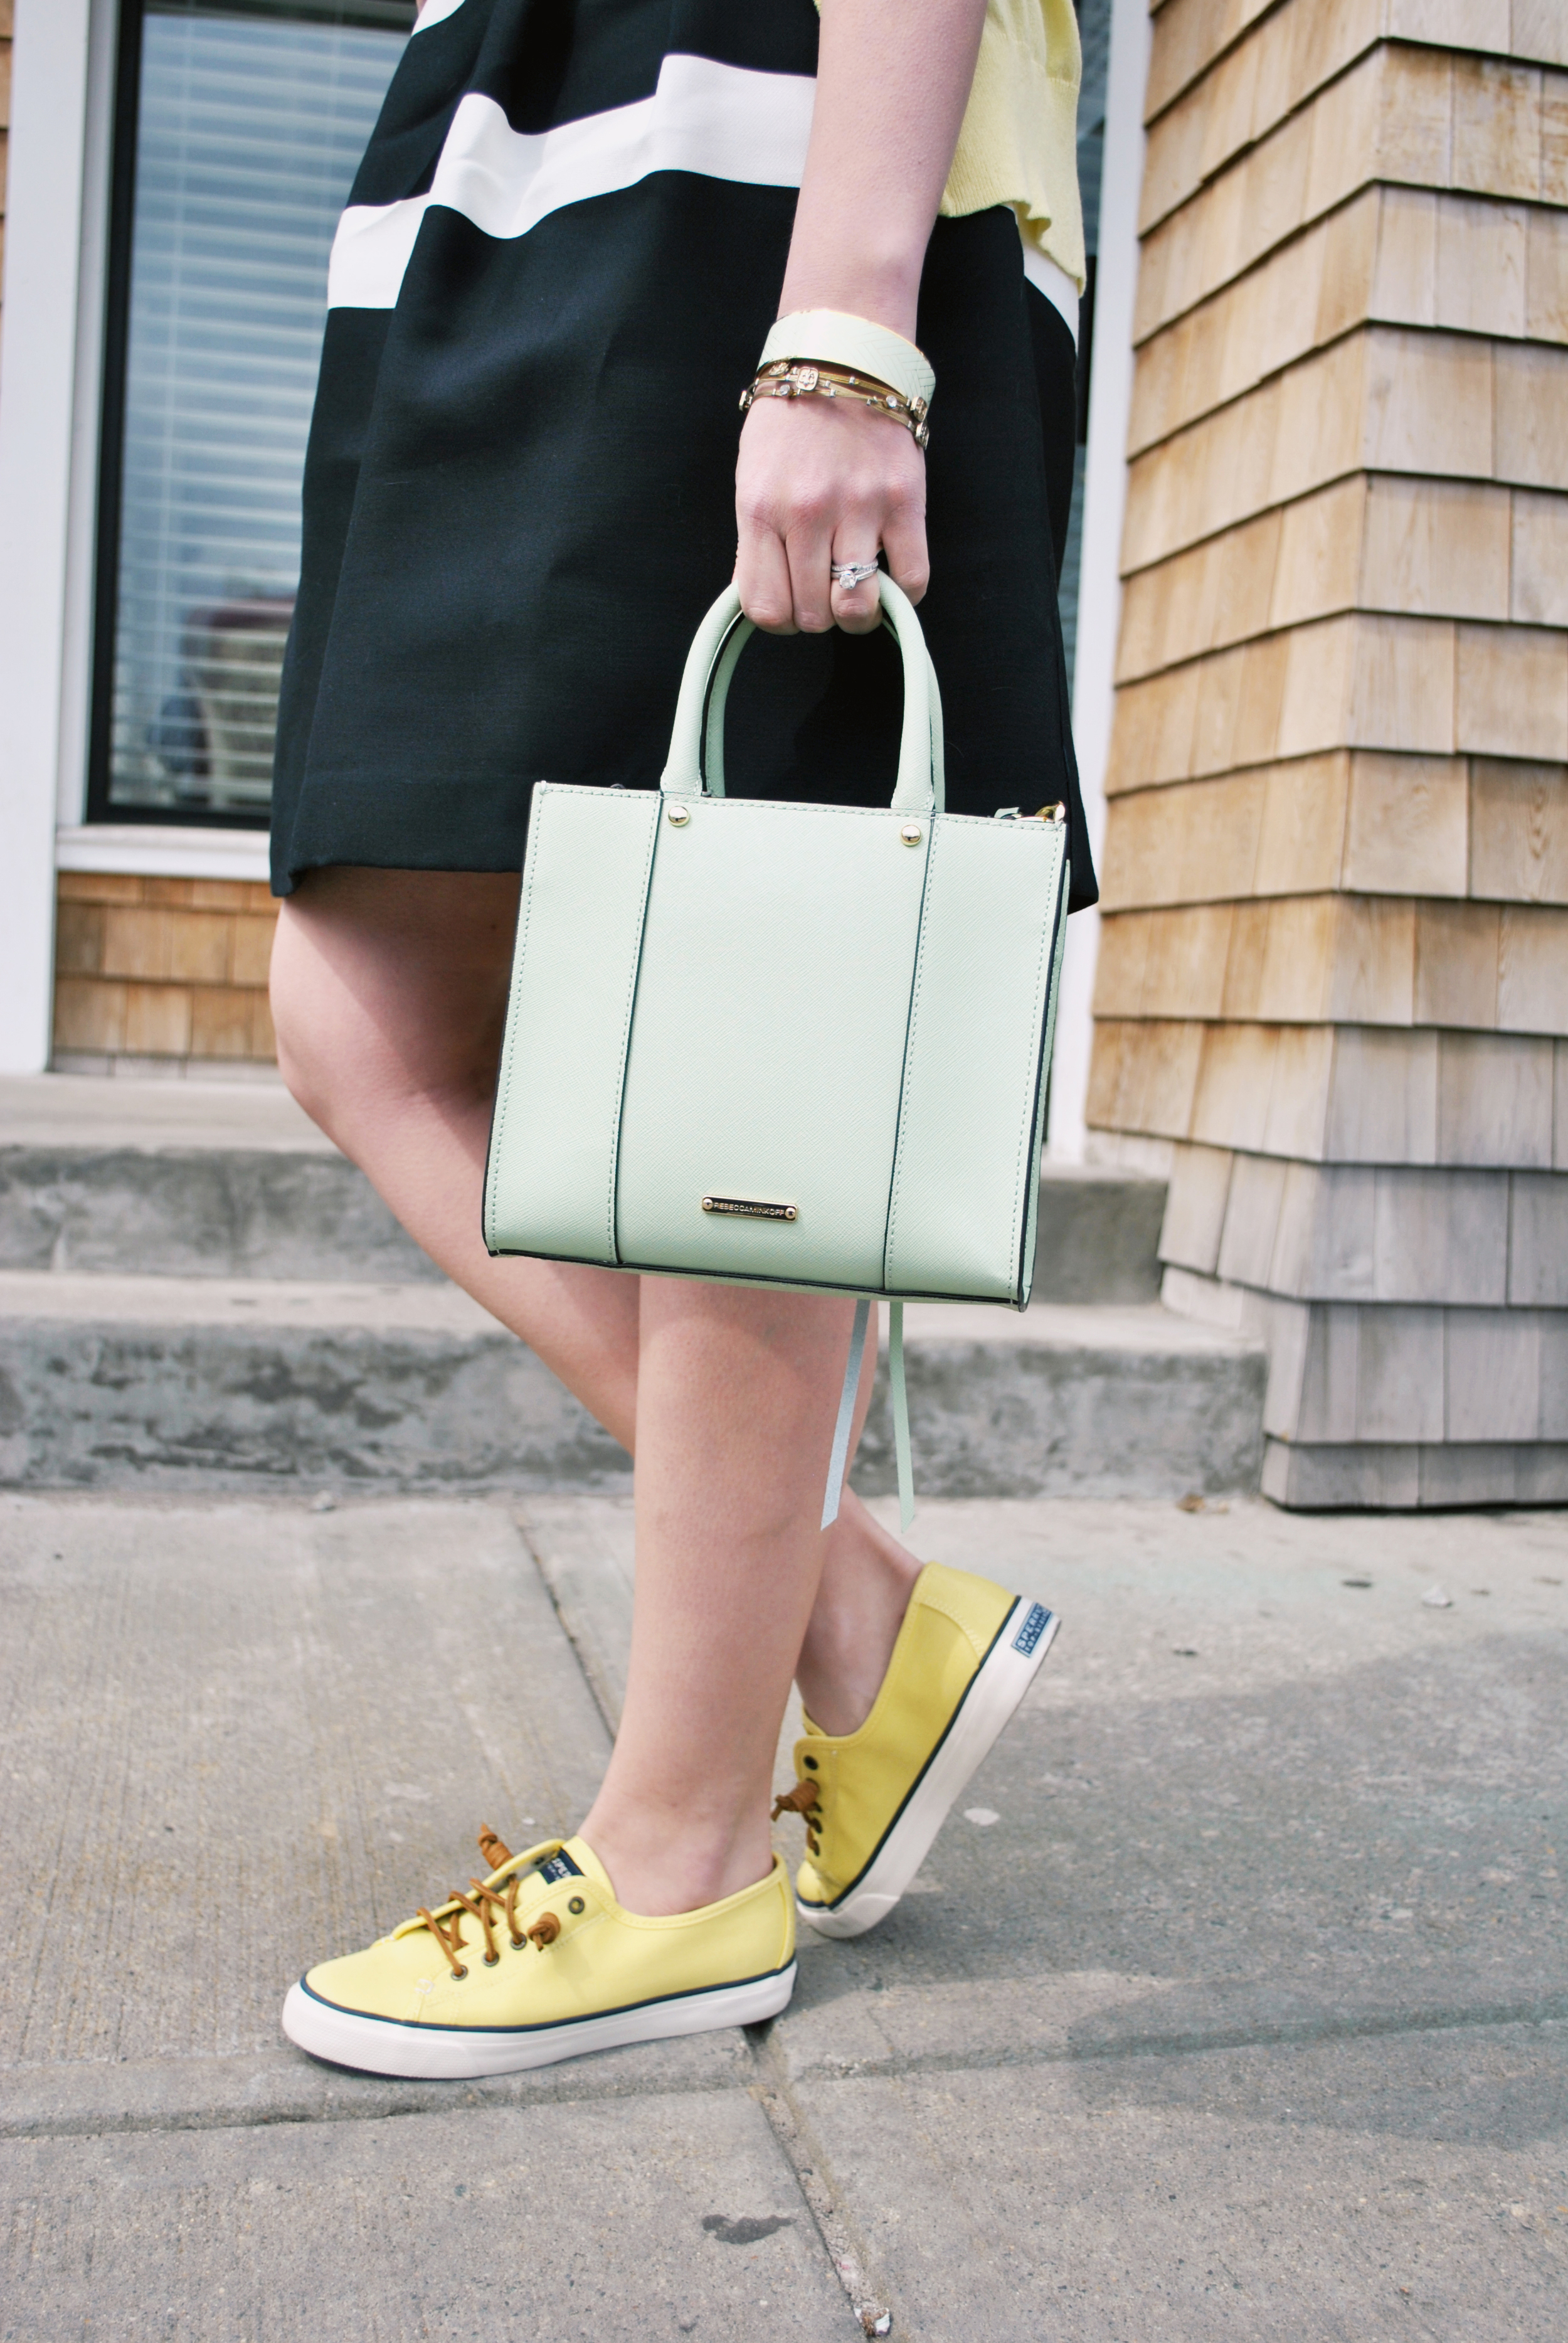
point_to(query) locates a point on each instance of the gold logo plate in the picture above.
(749, 1208)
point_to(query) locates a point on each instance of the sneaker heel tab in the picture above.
(975, 1606)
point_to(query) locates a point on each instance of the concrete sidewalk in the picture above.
(1235, 2005)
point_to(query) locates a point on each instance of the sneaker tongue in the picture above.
(577, 1858)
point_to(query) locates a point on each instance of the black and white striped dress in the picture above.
(562, 253)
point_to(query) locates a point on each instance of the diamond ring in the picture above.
(850, 573)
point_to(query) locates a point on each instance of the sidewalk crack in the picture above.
(803, 2154)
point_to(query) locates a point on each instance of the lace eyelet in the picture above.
(518, 1944)
(492, 1960)
(458, 1974)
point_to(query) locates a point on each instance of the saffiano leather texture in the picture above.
(828, 1025)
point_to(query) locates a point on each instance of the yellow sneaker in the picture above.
(538, 1961)
(874, 1800)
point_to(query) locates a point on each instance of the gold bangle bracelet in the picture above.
(807, 378)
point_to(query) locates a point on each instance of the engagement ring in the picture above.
(850, 573)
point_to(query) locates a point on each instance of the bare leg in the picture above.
(861, 1597)
(735, 1420)
(390, 993)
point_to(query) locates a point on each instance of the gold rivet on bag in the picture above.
(678, 816)
(910, 833)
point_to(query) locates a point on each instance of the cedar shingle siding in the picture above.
(162, 968)
(1332, 995)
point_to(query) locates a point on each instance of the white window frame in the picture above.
(51, 398)
(1100, 572)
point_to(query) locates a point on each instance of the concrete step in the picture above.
(198, 1291)
(206, 1180)
(174, 1179)
(1099, 1234)
(210, 1382)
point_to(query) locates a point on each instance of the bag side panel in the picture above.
(967, 1159)
(769, 1041)
(1032, 1222)
(550, 1184)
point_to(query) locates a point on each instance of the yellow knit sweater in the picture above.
(1018, 143)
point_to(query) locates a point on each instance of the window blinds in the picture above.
(250, 123)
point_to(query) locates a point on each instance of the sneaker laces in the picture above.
(806, 1800)
(491, 1908)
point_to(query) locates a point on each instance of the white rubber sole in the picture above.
(378, 2046)
(1003, 1678)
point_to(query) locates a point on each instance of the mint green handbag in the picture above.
(783, 1044)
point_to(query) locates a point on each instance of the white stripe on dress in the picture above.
(720, 122)
(433, 11)
(717, 121)
(1055, 283)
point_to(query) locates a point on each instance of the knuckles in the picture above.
(798, 495)
(768, 611)
(756, 512)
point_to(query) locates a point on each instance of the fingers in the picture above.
(815, 485)
(762, 576)
(900, 528)
(810, 548)
(784, 578)
(856, 608)
(904, 542)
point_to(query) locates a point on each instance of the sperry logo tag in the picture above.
(560, 1866)
(1032, 1629)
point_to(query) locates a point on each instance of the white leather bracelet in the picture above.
(834, 338)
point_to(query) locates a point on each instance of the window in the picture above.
(240, 125)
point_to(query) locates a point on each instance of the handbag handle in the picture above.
(697, 743)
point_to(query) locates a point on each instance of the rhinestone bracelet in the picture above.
(807, 378)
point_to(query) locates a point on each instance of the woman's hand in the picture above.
(817, 483)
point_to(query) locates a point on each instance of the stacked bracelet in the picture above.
(832, 337)
(827, 354)
(805, 378)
